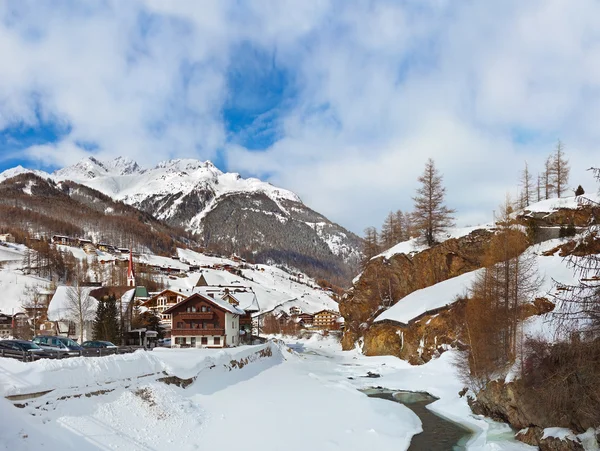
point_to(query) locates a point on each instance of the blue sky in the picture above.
(340, 102)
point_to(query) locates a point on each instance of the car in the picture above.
(56, 343)
(164, 342)
(24, 346)
(98, 344)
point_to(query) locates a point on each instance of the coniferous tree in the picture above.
(579, 191)
(431, 216)
(560, 169)
(548, 178)
(106, 321)
(371, 245)
(392, 230)
(526, 185)
(508, 280)
(99, 320)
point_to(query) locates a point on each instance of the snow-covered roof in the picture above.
(247, 299)
(59, 304)
(216, 300)
(216, 278)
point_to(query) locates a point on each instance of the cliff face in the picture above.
(385, 280)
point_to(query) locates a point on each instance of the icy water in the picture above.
(438, 433)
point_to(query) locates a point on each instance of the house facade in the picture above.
(201, 321)
(326, 320)
(162, 301)
(7, 238)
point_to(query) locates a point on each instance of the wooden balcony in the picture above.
(194, 315)
(196, 332)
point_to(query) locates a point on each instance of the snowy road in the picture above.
(252, 398)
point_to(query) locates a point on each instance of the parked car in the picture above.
(24, 346)
(56, 343)
(164, 342)
(98, 344)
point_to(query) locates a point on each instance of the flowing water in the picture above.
(438, 433)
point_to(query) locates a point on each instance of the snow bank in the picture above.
(550, 205)
(427, 299)
(19, 377)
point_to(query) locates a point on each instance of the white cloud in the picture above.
(379, 88)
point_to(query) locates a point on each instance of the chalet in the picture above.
(294, 310)
(7, 238)
(326, 320)
(104, 247)
(247, 301)
(64, 240)
(306, 319)
(162, 301)
(201, 321)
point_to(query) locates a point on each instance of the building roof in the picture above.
(219, 303)
(59, 304)
(141, 292)
(247, 300)
(215, 278)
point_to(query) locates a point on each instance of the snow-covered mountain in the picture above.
(227, 212)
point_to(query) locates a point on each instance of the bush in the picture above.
(563, 379)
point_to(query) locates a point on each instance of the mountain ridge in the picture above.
(225, 211)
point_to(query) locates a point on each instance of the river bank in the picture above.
(438, 378)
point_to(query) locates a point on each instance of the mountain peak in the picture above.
(90, 168)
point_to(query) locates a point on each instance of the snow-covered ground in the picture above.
(255, 398)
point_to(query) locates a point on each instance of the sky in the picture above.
(341, 102)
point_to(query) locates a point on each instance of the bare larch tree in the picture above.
(431, 216)
(560, 169)
(80, 307)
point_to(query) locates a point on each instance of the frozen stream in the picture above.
(438, 433)
(447, 422)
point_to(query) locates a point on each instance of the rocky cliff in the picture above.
(385, 280)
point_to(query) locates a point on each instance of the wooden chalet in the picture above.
(326, 320)
(201, 321)
(162, 301)
(306, 319)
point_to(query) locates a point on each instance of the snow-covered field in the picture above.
(254, 397)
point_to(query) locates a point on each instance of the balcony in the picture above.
(196, 332)
(195, 315)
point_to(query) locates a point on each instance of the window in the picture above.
(204, 340)
(193, 341)
(217, 341)
(204, 308)
(233, 324)
(179, 325)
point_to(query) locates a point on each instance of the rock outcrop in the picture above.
(385, 280)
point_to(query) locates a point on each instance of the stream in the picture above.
(438, 433)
